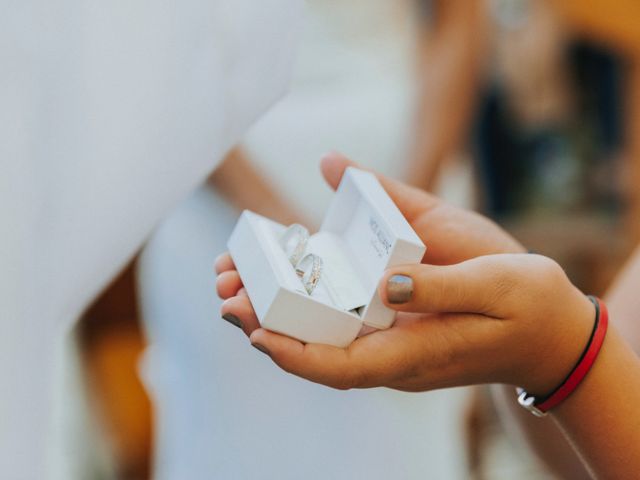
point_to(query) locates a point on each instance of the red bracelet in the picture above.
(540, 406)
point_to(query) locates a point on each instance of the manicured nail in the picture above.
(232, 319)
(399, 289)
(261, 348)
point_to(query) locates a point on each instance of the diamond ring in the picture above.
(294, 242)
(309, 270)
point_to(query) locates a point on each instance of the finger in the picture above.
(333, 166)
(332, 366)
(223, 263)
(481, 285)
(228, 283)
(238, 311)
(411, 201)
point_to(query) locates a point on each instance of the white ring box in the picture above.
(363, 233)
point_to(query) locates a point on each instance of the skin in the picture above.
(478, 314)
(242, 184)
(544, 436)
(452, 50)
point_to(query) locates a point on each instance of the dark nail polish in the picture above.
(261, 348)
(232, 319)
(399, 289)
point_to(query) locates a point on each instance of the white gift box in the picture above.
(363, 233)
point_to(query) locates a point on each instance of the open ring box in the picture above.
(363, 233)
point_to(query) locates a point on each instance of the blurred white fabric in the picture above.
(352, 91)
(224, 410)
(111, 112)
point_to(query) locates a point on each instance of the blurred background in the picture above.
(525, 110)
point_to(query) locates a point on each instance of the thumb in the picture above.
(481, 285)
(410, 200)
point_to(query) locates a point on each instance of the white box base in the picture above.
(363, 234)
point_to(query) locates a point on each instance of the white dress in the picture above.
(111, 112)
(224, 410)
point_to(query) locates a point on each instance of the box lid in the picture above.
(375, 236)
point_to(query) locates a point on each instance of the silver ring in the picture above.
(294, 242)
(309, 269)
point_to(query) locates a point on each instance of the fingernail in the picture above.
(399, 289)
(261, 348)
(232, 319)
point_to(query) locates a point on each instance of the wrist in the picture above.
(560, 344)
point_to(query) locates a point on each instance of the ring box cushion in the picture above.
(363, 233)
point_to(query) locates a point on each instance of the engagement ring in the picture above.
(309, 270)
(294, 242)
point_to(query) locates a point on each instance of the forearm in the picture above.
(543, 435)
(601, 418)
(449, 71)
(243, 185)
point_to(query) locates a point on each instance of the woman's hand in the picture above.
(522, 323)
(507, 318)
(518, 311)
(452, 235)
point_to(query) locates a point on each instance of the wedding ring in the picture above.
(294, 242)
(309, 270)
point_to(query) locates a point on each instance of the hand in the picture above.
(452, 234)
(437, 347)
(524, 324)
